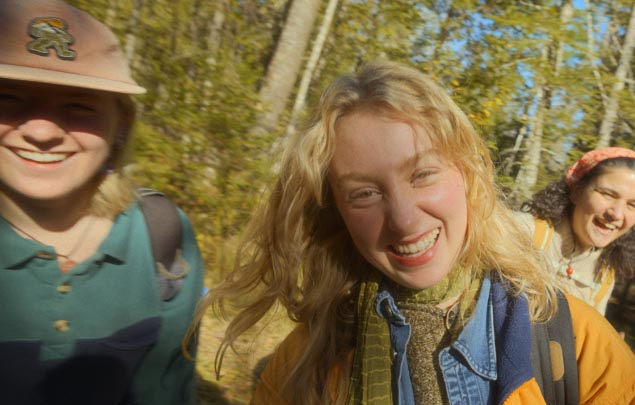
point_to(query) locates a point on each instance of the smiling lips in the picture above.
(414, 249)
(41, 157)
(604, 227)
(418, 253)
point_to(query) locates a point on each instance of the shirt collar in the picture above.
(17, 250)
(116, 243)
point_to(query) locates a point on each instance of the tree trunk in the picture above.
(591, 55)
(216, 28)
(510, 161)
(528, 174)
(284, 67)
(309, 69)
(613, 104)
(111, 13)
(131, 35)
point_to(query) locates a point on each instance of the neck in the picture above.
(53, 216)
(443, 294)
(68, 227)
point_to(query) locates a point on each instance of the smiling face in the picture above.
(605, 208)
(403, 204)
(53, 139)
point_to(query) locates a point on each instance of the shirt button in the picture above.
(45, 255)
(64, 288)
(61, 325)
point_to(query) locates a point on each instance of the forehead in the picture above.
(360, 126)
(366, 141)
(611, 173)
(619, 181)
(615, 176)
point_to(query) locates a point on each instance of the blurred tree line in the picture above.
(542, 80)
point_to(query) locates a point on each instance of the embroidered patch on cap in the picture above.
(50, 32)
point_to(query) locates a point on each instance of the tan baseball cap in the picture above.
(48, 41)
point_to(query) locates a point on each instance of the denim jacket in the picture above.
(469, 365)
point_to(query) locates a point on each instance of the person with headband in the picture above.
(584, 223)
(81, 316)
(383, 237)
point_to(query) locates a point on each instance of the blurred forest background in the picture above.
(543, 81)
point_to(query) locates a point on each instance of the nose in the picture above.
(402, 215)
(615, 212)
(41, 131)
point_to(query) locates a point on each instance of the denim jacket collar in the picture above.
(476, 344)
(480, 328)
(480, 357)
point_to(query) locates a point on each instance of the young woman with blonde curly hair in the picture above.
(384, 239)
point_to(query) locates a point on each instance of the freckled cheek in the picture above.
(449, 198)
(364, 228)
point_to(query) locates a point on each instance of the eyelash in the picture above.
(364, 194)
(422, 175)
(9, 98)
(80, 107)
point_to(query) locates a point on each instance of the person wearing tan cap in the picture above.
(84, 317)
(584, 223)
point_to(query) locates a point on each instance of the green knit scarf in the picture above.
(371, 375)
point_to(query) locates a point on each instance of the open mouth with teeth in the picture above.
(415, 249)
(41, 157)
(604, 225)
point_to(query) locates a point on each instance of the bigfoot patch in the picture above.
(50, 33)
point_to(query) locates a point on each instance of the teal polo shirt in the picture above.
(99, 334)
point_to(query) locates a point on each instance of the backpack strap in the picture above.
(607, 275)
(553, 357)
(164, 228)
(542, 233)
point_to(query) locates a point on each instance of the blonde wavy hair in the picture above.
(114, 191)
(296, 251)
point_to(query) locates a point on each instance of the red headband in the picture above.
(590, 159)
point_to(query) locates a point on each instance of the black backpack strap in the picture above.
(164, 228)
(553, 357)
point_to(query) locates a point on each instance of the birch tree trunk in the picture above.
(311, 64)
(285, 64)
(613, 104)
(111, 13)
(591, 54)
(131, 35)
(216, 28)
(528, 174)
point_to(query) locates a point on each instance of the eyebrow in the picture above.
(610, 190)
(403, 168)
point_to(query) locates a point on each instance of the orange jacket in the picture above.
(606, 365)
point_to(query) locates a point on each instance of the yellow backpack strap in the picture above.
(542, 233)
(607, 276)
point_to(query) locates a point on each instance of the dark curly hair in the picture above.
(553, 203)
